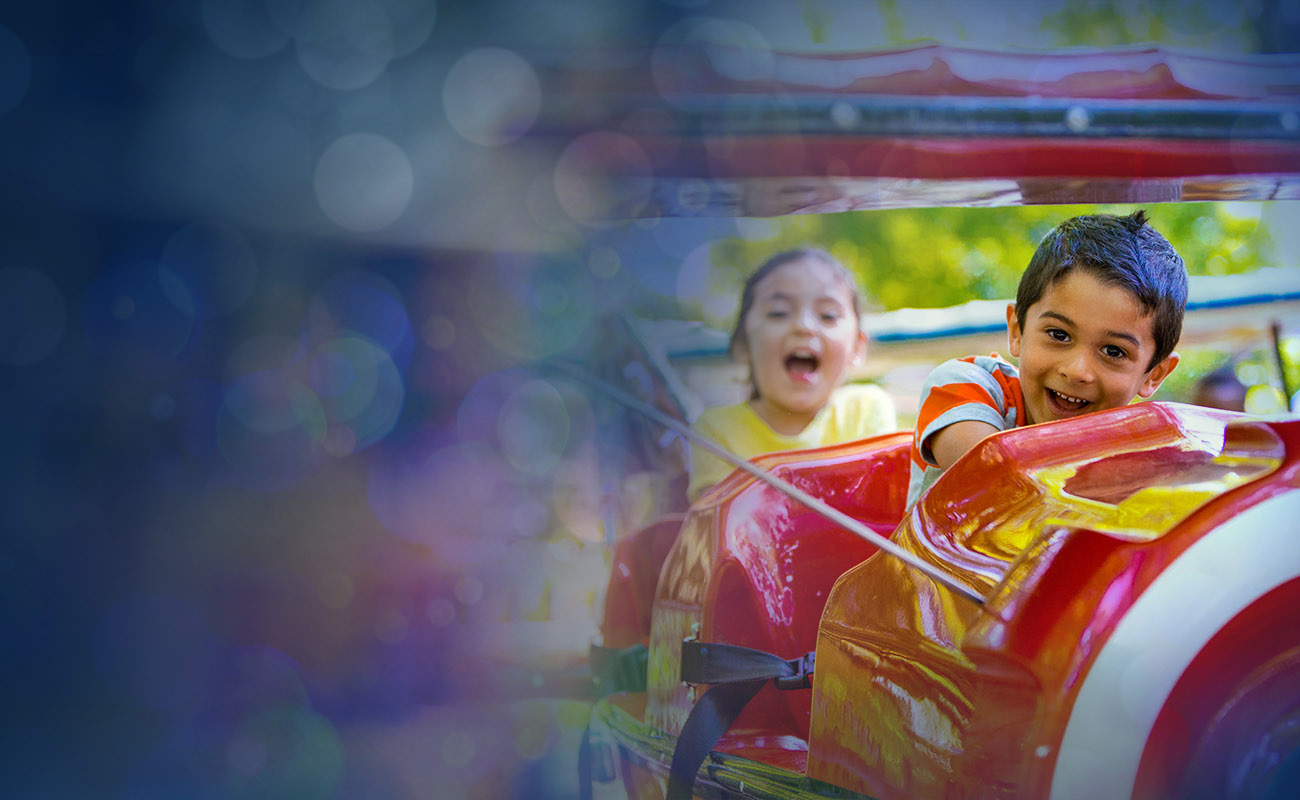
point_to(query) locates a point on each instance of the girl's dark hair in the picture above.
(767, 268)
(1120, 251)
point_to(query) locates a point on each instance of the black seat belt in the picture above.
(736, 674)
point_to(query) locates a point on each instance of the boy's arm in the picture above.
(951, 443)
(961, 403)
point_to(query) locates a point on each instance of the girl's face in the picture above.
(801, 338)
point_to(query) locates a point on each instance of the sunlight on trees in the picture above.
(942, 257)
(854, 25)
(939, 257)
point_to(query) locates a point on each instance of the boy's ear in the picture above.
(1157, 375)
(1013, 330)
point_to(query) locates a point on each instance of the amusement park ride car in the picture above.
(1100, 607)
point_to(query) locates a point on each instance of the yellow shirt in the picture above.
(854, 412)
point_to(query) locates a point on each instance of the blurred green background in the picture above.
(941, 257)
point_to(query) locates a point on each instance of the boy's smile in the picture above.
(1084, 348)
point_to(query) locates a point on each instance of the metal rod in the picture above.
(1275, 330)
(834, 515)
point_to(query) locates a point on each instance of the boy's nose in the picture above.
(1077, 368)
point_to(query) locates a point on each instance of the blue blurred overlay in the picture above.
(286, 513)
(288, 509)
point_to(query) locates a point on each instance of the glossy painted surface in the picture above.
(1231, 725)
(1196, 659)
(921, 694)
(633, 575)
(753, 568)
(941, 125)
(1156, 523)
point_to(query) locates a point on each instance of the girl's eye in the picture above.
(776, 313)
(830, 316)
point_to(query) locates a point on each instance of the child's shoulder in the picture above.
(973, 368)
(969, 383)
(859, 393)
(864, 401)
(725, 415)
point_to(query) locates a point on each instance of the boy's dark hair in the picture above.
(1119, 251)
(771, 265)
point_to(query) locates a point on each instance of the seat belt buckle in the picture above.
(803, 672)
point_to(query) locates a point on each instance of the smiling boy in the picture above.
(1096, 318)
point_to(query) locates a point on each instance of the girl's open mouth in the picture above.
(801, 366)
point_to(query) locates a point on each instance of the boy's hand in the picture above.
(953, 441)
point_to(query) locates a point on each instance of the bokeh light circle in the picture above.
(271, 430)
(366, 304)
(530, 311)
(478, 416)
(454, 499)
(469, 590)
(259, 679)
(364, 182)
(534, 428)
(603, 261)
(412, 21)
(162, 406)
(15, 69)
(261, 353)
(441, 611)
(1265, 399)
(284, 753)
(243, 28)
(696, 287)
(735, 49)
(344, 45)
(438, 332)
(32, 316)
(208, 269)
(126, 307)
(359, 389)
(491, 96)
(603, 175)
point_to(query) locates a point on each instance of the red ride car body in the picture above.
(1140, 630)
(1064, 528)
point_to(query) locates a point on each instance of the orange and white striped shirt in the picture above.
(983, 388)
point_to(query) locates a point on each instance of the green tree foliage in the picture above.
(1204, 25)
(1192, 24)
(939, 257)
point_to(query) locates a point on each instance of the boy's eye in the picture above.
(1114, 351)
(1058, 334)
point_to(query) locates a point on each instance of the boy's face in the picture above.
(1084, 348)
